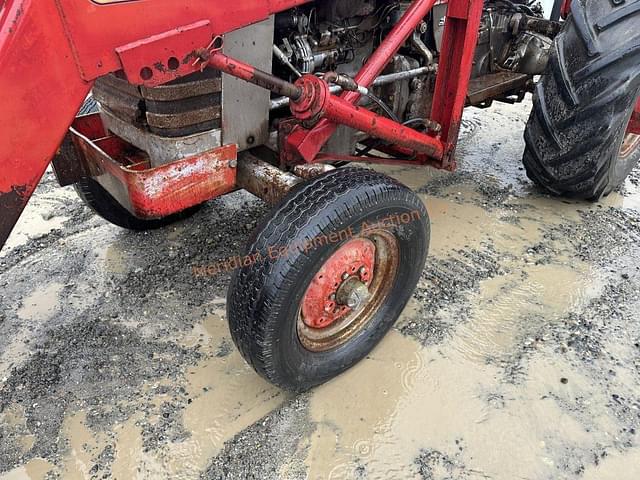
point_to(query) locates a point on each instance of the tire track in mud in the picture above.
(444, 290)
(273, 447)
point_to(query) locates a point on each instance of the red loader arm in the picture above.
(40, 93)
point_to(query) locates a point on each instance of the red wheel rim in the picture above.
(630, 142)
(629, 145)
(355, 259)
(347, 290)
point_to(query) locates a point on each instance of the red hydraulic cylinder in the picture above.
(250, 74)
(316, 101)
(311, 100)
(307, 143)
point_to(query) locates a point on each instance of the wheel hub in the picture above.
(353, 293)
(342, 284)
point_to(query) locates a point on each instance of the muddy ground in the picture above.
(518, 357)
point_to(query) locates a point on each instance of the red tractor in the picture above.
(197, 99)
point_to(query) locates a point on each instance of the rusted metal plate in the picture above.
(149, 192)
(312, 170)
(263, 180)
(490, 86)
(120, 97)
(180, 91)
(177, 121)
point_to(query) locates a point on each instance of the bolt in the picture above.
(233, 164)
(345, 276)
(332, 297)
(362, 271)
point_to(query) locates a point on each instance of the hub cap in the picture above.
(347, 291)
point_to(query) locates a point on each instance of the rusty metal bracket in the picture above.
(152, 192)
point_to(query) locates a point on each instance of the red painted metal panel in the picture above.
(40, 92)
(452, 83)
(175, 53)
(97, 30)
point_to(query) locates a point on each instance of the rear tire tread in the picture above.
(580, 107)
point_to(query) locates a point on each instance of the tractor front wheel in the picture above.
(327, 275)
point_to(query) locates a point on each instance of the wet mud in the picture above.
(518, 357)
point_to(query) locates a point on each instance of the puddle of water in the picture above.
(456, 226)
(176, 233)
(35, 469)
(37, 220)
(227, 397)
(131, 460)
(115, 261)
(405, 398)
(83, 446)
(41, 304)
(616, 467)
(36, 308)
(631, 198)
(507, 308)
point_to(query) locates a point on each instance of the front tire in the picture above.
(327, 275)
(577, 142)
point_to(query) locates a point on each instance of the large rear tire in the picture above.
(577, 142)
(327, 274)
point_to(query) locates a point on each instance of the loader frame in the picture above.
(51, 52)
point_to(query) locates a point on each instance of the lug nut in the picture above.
(345, 276)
